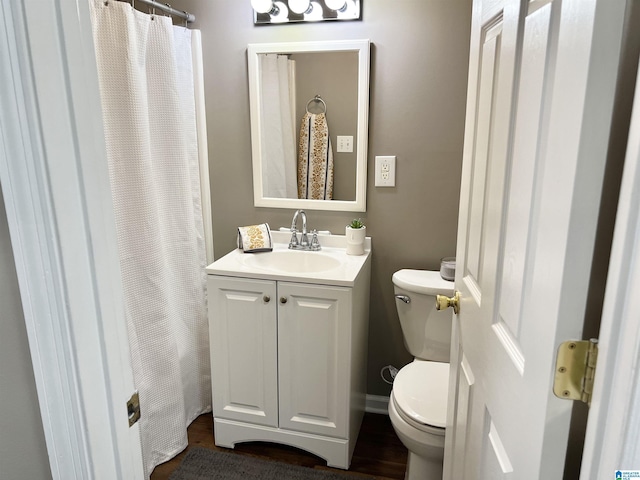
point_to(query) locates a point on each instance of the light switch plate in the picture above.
(345, 143)
(386, 171)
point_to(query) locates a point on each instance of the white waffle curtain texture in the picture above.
(145, 70)
(278, 133)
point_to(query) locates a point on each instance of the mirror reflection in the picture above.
(309, 122)
(305, 106)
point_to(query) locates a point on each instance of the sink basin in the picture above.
(329, 266)
(292, 261)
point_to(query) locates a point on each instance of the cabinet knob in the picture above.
(266, 299)
(283, 299)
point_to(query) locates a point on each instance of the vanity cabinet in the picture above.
(243, 334)
(289, 363)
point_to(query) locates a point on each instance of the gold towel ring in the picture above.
(318, 99)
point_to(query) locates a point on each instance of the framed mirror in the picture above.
(309, 106)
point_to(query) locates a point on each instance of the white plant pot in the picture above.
(355, 240)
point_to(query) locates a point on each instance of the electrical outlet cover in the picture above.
(385, 172)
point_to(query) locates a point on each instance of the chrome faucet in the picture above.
(303, 243)
(304, 240)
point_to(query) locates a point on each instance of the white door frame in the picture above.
(54, 178)
(612, 439)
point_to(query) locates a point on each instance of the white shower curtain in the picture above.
(147, 91)
(279, 177)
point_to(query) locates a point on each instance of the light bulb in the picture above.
(280, 13)
(337, 5)
(262, 6)
(349, 11)
(314, 13)
(300, 6)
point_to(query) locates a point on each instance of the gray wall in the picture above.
(419, 67)
(23, 453)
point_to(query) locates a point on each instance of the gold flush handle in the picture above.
(133, 408)
(443, 302)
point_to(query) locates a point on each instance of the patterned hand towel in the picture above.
(255, 238)
(315, 158)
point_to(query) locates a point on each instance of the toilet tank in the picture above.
(426, 331)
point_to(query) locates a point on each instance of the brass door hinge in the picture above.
(576, 369)
(133, 408)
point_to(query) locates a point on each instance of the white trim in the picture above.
(37, 268)
(612, 440)
(255, 87)
(377, 404)
(54, 179)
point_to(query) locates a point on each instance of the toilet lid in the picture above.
(421, 390)
(426, 282)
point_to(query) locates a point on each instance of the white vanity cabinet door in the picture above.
(243, 339)
(314, 358)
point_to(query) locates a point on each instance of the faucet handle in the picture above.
(315, 243)
(294, 238)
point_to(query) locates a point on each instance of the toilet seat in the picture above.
(411, 423)
(420, 393)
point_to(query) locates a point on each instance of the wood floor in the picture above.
(378, 451)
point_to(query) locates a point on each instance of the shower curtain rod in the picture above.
(165, 7)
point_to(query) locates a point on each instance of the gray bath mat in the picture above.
(205, 464)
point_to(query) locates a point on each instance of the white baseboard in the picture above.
(377, 404)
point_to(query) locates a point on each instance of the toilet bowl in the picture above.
(418, 401)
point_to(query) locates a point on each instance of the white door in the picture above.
(314, 338)
(244, 351)
(541, 85)
(55, 184)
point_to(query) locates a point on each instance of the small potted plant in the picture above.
(355, 233)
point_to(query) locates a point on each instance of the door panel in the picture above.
(243, 349)
(534, 156)
(523, 169)
(477, 206)
(314, 336)
(495, 459)
(463, 408)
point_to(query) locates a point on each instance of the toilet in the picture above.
(418, 401)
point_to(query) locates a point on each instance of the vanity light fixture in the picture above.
(283, 13)
(269, 12)
(348, 10)
(300, 6)
(264, 6)
(337, 5)
(314, 14)
(277, 12)
(312, 11)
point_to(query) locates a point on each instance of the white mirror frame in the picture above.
(360, 46)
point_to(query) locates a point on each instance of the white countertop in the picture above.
(239, 264)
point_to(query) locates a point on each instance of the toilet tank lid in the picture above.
(421, 391)
(426, 282)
